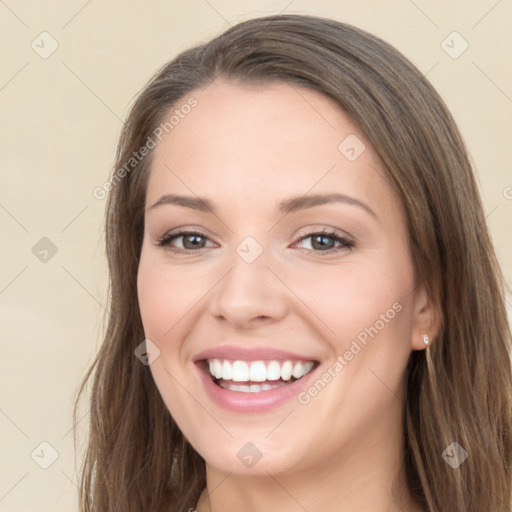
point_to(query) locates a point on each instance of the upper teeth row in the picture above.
(257, 371)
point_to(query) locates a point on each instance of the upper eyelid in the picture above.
(181, 234)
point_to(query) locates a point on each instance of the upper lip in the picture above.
(237, 353)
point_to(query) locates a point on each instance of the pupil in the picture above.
(322, 240)
(193, 238)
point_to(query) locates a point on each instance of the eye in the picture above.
(320, 242)
(325, 242)
(190, 241)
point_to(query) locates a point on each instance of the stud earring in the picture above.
(425, 339)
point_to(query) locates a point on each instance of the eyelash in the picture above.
(346, 244)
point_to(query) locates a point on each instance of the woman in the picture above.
(306, 309)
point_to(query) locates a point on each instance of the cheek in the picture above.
(155, 301)
(349, 298)
(164, 297)
(164, 300)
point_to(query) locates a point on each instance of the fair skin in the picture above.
(246, 149)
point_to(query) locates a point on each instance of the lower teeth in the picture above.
(252, 388)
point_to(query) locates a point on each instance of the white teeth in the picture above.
(217, 368)
(227, 370)
(286, 370)
(273, 371)
(240, 372)
(300, 369)
(297, 370)
(307, 367)
(253, 388)
(257, 371)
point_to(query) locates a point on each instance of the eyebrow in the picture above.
(290, 205)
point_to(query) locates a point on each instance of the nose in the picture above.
(249, 295)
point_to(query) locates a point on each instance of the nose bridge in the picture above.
(249, 290)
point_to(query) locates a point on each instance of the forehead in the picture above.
(247, 143)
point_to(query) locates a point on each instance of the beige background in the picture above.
(60, 119)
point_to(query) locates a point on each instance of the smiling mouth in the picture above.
(255, 376)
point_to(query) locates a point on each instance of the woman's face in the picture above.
(260, 296)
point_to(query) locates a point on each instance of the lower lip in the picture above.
(238, 401)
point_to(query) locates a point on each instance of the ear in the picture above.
(426, 319)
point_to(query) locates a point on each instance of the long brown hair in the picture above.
(458, 390)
